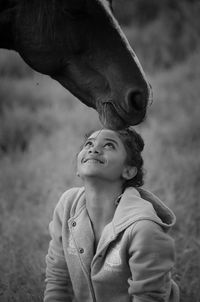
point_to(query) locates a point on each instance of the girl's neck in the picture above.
(100, 200)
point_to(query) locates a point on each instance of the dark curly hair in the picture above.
(134, 145)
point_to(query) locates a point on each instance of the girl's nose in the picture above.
(95, 149)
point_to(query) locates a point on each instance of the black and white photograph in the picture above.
(99, 151)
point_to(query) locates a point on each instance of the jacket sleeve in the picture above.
(151, 258)
(58, 285)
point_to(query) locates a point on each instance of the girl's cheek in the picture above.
(78, 161)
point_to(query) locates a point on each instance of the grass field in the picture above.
(41, 129)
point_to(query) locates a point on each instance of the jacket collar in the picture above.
(134, 205)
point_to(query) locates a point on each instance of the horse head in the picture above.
(80, 44)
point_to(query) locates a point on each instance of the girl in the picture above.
(110, 237)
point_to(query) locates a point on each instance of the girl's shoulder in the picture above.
(69, 200)
(148, 234)
(71, 193)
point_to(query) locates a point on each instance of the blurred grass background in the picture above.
(42, 126)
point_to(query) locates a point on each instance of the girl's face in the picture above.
(104, 156)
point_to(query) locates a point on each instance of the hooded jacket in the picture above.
(133, 260)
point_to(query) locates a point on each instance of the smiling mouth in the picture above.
(92, 160)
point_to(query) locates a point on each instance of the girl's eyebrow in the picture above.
(112, 140)
(90, 139)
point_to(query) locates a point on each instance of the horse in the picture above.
(80, 44)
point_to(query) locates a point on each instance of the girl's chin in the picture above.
(99, 178)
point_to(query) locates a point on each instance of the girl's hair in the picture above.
(134, 145)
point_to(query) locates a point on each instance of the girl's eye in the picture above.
(109, 146)
(88, 144)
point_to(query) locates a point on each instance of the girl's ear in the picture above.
(129, 172)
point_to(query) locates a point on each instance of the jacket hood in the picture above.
(141, 204)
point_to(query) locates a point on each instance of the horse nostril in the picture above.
(136, 101)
